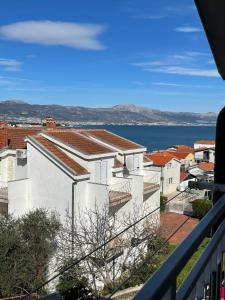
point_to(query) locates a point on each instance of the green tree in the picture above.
(27, 245)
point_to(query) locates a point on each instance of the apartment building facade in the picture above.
(73, 170)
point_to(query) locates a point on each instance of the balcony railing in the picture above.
(119, 193)
(205, 278)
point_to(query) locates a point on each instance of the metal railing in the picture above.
(205, 277)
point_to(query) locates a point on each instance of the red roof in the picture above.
(183, 175)
(178, 154)
(205, 166)
(13, 137)
(205, 142)
(80, 142)
(111, 139)
(169, 222)
(62, 156)
(184, 148)
(160, 158)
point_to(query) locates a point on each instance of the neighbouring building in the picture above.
(169, 167)
(75, 170)
(204, 151)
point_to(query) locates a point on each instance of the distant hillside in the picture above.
(15, 109)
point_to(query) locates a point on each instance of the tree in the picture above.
(93, 228)
(27, 245)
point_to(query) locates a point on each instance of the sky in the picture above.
(100, 53)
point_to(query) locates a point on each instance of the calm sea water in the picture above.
(161, 137)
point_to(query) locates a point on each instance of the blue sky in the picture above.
(100, 53)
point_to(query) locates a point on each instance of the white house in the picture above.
(204, 151)
(76, 169)
(169, 168)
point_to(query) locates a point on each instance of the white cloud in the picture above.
(75, 35)
(185, 63)
(188, 29)
(167, 84)
(10, 64)
(186, 71)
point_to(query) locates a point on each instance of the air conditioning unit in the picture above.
(21, 153)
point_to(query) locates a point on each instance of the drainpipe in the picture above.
(73, 215)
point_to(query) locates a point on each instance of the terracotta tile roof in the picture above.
(183, 175)
(80, 142)
(16, 136)
(111, 139)
(184, 148)
(178, 154)
(53, 149)
(170, 221)
(117, 163)
(160, 158)
(205, 166)
(205, 142)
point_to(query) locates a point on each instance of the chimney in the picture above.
(50, 123)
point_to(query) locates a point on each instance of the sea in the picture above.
(161, 137)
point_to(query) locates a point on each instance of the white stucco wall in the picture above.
(18, 197)
(49, 186)
(170, 172)
(20, 168)
(197, 146)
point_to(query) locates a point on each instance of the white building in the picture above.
(169, 168)
(204, 151)
(78, 169)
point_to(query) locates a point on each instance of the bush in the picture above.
(73, 285)
(201, 207)
(163, 201)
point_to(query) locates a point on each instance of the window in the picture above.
(171, 180)
(169, 165)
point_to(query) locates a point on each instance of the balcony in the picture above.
(206, 279)
(3, 191)
(119, 193)
(151, 184)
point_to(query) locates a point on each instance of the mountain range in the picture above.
(119, 114)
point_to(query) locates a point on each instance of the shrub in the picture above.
(201, 207)
(73, 285)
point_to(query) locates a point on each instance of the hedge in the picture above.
(201, 207)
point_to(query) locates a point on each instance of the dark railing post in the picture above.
(219, 171)
(219, 176)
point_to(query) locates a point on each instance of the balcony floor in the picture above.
(116, 197)
(4, 194)
(150, 187)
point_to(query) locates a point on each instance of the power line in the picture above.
(100, 246)
(146, 261)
